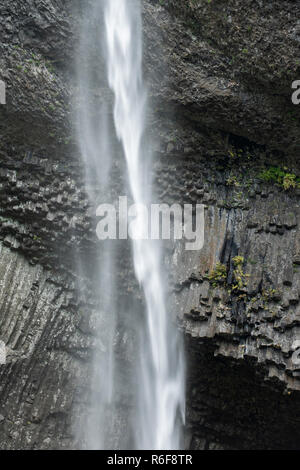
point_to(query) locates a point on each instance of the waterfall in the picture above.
(159, 413)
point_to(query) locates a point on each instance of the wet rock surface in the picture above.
(220, 77)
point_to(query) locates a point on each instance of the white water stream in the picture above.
(161, 393)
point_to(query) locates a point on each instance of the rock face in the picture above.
(220, 76)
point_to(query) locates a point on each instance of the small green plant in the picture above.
(238, 260)
(270, 294)
(240, 277)
(235, 153)
(218, 275)
(232, 181)
(289, 181)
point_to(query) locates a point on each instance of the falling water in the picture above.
(160, 377)
(93, 132)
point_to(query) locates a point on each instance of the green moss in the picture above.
(238, 260)
(218, 275)
(240, 278)
(289, 181)
(280, 177)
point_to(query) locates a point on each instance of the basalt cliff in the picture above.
(225, 134)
